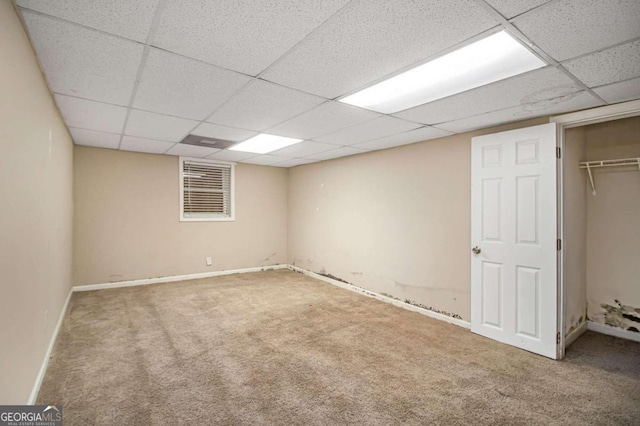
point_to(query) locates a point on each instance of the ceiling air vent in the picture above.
(208, 142)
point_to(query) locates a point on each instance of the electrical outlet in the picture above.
(209, 262)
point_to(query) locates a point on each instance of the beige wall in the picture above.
(613, 223)
(127, 220)
(36, 212)
(396, 221)
(575, 230)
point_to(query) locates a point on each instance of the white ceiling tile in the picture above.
(368, 40)
(223, 132)
(261, 105)
(545, 83)
(412, 136)
(191, 150)
(157, 126)
(511, 8)
(266, 159)
(609, 66)
(304, 148)
(93, 138)
(568, 28)
(91, 115)
(245, 36)
(337, 153)
(620, 92)
(82, 62)
(126, 18)
(176, 85)
(130, 143)
(226, 155)
(376, 128)
(294, 162)
(326, 118)
(570, 102)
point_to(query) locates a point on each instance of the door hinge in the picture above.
(558, 338)
(558, 152)
(559, 244)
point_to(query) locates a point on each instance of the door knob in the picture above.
(476, 250)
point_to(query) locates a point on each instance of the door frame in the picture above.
(563, 122)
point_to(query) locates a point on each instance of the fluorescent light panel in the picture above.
(264, 143)
(485, 61)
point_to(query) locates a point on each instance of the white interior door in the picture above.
(513, 236)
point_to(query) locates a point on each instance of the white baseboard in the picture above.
(173, 278)
(45, 361)
(573, 336)
(399, 303)
(613, 331)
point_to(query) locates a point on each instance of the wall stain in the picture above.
(621, 316)
(266, 259)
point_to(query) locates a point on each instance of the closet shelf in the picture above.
(607, 163)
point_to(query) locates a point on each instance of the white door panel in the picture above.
(513, 226)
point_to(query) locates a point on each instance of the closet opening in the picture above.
(599, 228)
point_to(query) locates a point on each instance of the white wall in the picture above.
(36, 213)
(575, 230)
(127, 219)
(396, 221)
(613, 224)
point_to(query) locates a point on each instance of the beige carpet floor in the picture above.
(281, 348)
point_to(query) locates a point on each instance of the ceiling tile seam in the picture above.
(578, 90)
(333, 131)
(526, 12)
(304, 39)
(503, 109)
(76, 24)
(426, 126)
(204, 120)
(82, 98)
(293, 88)
(155, 22)
(535, 49)
(94, 130)
(611, 46)
(359, 124)
(423, 61)
(616, 82)
(190, 58)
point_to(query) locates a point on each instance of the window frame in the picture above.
(232, 190)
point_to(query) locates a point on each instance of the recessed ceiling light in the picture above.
(264, 143)
(485, 61)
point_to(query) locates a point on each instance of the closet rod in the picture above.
(607, 163)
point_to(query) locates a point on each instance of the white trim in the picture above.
(613, 331)
(232, 190)
(47, 355)
(598, 115)
(173, 278)
(399, 303)
(566, 121)
(573, 336)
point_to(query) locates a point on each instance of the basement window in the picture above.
(206, 190)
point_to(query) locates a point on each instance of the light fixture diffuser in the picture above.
(485, 61)
(264, 143)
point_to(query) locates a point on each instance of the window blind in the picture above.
(206, 190)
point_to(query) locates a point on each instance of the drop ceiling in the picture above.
(142, 75)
